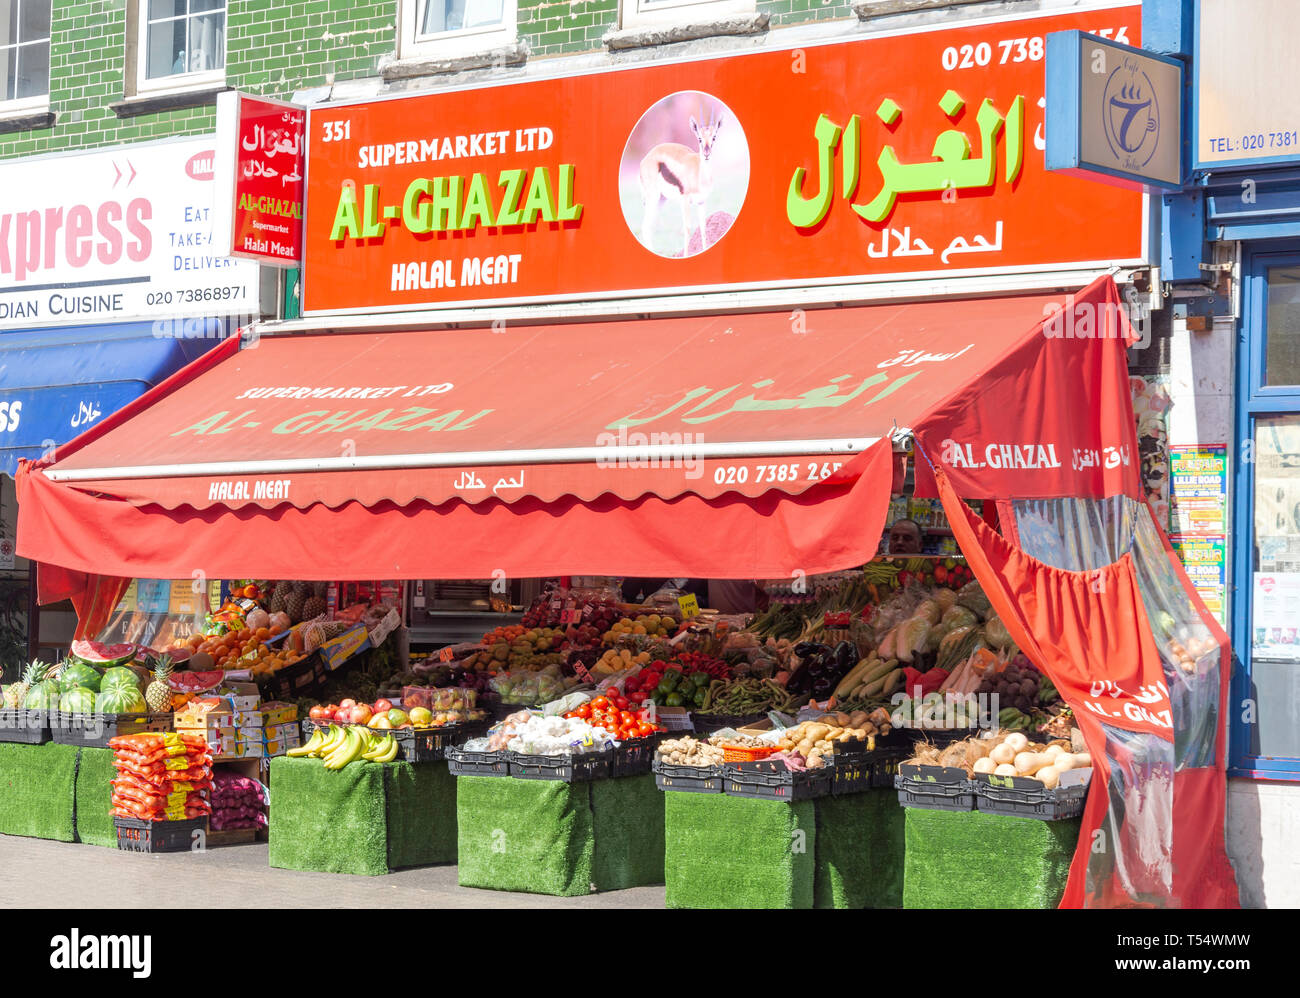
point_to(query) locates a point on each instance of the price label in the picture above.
(582, 673)
(690, 605)
(445, 655)
(175, 813)
(588, 612)
(177, 762)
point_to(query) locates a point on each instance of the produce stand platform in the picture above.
(562, 839)
(739, 852)
(859, 851)
(968, 859)
(38, 790)
(95, 774)
(363, 819)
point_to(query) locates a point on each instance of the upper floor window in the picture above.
(25, 51)
(180, 43)
(642, 13)
(445, 27)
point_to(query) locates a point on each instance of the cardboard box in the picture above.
(240, 696)
(336, 651)
(234, 749)
(281, 732)
(277, 712)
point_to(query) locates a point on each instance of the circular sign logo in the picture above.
(1131, 115)
(683, 175)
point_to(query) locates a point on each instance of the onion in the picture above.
(1003, 754)
(1053, 751)
(1017, 741)
(1005, 770)
(984, 765)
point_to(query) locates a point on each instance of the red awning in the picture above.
(710, 446)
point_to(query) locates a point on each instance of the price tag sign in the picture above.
(582, 673)
(445, 655)
(690, 605)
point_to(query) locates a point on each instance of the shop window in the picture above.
(450, 27)
(1265, 715)
(25, 53)
(649, 13)
(179, 44)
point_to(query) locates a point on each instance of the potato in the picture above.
(842, 719)
(843, 736)
(817, 731)
(868, 729)
(805, 746)
(857, 719)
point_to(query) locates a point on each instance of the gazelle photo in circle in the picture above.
(684, 174)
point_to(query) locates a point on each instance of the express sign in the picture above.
(918, 153)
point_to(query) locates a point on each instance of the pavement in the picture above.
(39, 873)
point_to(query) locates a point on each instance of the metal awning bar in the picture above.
(662, 452)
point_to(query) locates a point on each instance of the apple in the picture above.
(320, 713)
(383, 706)
(347, 703)
(421, 717)
(397, 717)
(359, 714)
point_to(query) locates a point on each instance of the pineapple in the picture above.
(158, 694)
(16, 693)
(279, 597)
(313, 607)
(293, 606)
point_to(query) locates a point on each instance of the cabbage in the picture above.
(78, 674)
(78, 700)
(997, 634)
(120, 678)
(911, 637)
(957, 616)
(928, 610)
(122, 700)
(972, 597)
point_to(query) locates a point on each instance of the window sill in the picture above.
(170, 100)
(394, 70)
(22, 121)
(647, 36)
(868, 9)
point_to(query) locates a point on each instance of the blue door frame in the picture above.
(1254, 401)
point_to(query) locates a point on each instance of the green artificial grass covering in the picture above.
(562, 839)
(628, 826)
(37, 792)
(365, 819)
(95, 774)
(736, 852)
(421, 814)
(969, 859)
(860, 851)
(524, 835)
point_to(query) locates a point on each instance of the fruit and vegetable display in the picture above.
(688, 751)
(526, 688)
(76, 687)
(1008, 753)
(161, 777)
(383, 716)
(339, 746)
(615, 714)
(237, 802)
(741, 697)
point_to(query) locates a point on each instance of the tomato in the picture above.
(600, 703)
(583, 711)
(643, 729)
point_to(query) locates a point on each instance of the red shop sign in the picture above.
(913, 153)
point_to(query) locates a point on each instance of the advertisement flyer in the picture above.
(1205, 560)
(1198, 489)
(1276, 616)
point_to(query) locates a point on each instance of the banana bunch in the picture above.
(339, 746)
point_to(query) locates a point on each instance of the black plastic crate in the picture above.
(885, 763)
(850, 773)
(772, 780)
(431, 744)
(296, 681)
(941, 737)
(935, 788)
(95, 730)
(462, 762)
(687, 779)
(135, 835)
(25, 727)
(1022, 797)
(577, 767)
(635, 756)
(707, 724)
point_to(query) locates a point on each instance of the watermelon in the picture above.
(42, 696)
(100, 655)
(78, 700)
(121, 700)
(78, 674)
(119, 678)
